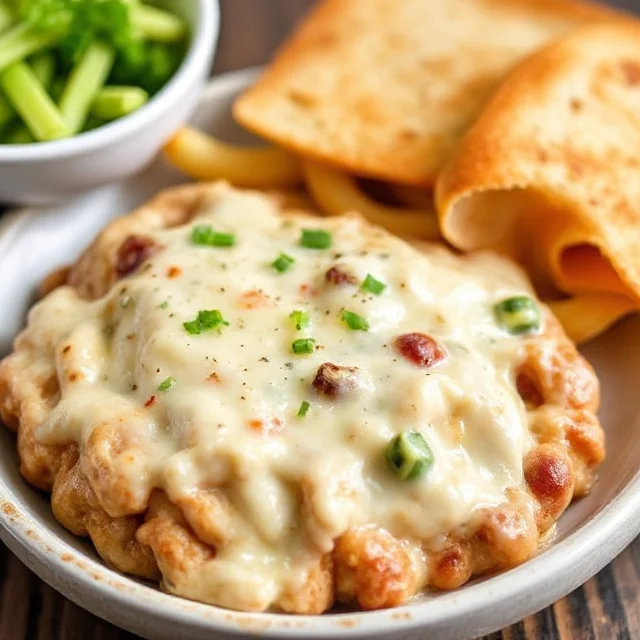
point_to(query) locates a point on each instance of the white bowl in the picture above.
(589, 535)
(46, 172)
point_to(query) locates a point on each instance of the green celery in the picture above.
(115, 102)
(44, 67)
(157, 25)
(7, 112)
(84, 83)
(21, 41)
(7, 16)
(33, 104)
(18, 134)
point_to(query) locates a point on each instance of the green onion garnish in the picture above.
(283, 263)
(303, 346)
(167, 384)
(409, 456)
(518, 315)
(304, 409)
(315, 239)
(204, 234)
(371, 285)
(354, 321)
(301, 319)
(163, 305)
(205, 321)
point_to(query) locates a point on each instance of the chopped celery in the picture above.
(84, 82)
(7, 112)
(19, 134)
(115, 102)
(157, 25)
(21, 41)
(44, 66)
(7, 16)
(31, 101)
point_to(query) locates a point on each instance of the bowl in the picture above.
(46, 172)
(588, 536)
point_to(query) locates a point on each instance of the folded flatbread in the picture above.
(385, 88)
(550, 173)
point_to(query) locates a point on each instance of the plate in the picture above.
(591, 533)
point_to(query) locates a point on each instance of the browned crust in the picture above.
(369, 567)
(385, 97)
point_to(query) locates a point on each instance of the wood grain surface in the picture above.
(605, 608)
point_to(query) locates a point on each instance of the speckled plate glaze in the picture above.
(590, 534)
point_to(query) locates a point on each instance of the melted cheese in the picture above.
(231, 421)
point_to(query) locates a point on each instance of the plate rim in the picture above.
(466, 612)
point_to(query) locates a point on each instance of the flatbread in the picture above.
(385, 88)
(550, 173)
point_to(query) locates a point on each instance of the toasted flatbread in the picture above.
(385, 88)
(550, 171)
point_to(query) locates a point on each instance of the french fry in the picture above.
(205, 158)
(336, 193)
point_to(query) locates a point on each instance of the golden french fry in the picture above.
(586, 317)
(205, 158)
(336, 193)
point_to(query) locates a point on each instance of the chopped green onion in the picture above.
(163, 305)
(167, 384)
(304, 409)
(300, 319)
(205, 321)
(157, 25)
(31, 101)
(315, 239)
(518, 315)
(112, 103)
(204, 234)
(283, 263)
(303, 346)
(354, 321)
(409, 456)
(84, 83)
(371, 285)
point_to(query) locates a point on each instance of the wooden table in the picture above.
(605, 608)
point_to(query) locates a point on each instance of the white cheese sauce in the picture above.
(231, 419)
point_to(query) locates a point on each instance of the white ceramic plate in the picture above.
(589, 535)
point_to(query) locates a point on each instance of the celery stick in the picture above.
(7, 112)
(44, 66)
(21, 41)
(19, 134)
(7, 16)
(84, 82)
(32, 102)
(115, 102)
(157, 25)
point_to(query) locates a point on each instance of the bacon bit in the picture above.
(272, 427)
(73, 376)
(150, 402)
(133, 252)
(337, 276)
(332, 380)
(174, 272)
(529, 389)
(420, 348)
(254, 299)
(67, 349)
(213, 377)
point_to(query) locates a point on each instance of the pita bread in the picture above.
(550, 173)
(384, 88)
